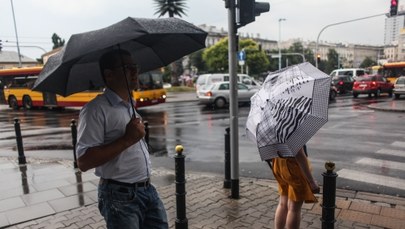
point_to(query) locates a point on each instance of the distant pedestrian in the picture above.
(111, 140)
(296, 185)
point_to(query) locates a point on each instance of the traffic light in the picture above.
(249, 9)
(394, 7)
(1, 45)
(318, 58)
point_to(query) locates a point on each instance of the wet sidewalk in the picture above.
(52, 194)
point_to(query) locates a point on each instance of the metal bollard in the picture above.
(146, 132)
(20, 148)
(181, 220)
(74, 141)
(329, 196)
(227, 181)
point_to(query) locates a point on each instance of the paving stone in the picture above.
(29, 213)
(367, 208)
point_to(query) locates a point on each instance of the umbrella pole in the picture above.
(126, 83)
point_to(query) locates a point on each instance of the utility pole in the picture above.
(247, 11)
(233, 100)
(16, 36)
(339, 23)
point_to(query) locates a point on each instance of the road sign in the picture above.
(241, 62)
(242, 55)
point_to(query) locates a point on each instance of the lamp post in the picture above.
(343, 22)
(16, 35)
(279, 40)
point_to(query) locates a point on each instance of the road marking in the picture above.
(399, 144)
(393, 152)
(372, 178)
(382, 163)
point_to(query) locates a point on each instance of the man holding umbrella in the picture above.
(110, 132)
(111, 140)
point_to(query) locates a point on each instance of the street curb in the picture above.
(385, 109)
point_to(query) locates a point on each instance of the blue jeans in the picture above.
(131, 207)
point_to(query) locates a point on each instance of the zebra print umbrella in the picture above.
(288, 110)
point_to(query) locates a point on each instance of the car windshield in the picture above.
(360, 79)
(400, 81)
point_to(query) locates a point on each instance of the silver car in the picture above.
(399, 87)
(217, 94)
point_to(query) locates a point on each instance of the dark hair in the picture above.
(111, 59)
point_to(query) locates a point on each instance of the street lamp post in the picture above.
(343, 22)
(16, 35)
(279, 40)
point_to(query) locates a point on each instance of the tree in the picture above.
(57, 41)
(332, 62)
(196, 61)
(171, 7)
(368, 62)
(256, 59)
(216, 56)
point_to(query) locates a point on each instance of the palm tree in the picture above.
(172, 7)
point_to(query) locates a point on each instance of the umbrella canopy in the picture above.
(288, 110)
(153, 43)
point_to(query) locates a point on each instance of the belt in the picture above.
(141, 184)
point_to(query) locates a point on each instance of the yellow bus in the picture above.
(393, 70)
(375, 70)
(19, 81)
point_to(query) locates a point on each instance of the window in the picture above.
(224, 86)
(242, 87)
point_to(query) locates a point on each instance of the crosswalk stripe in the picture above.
(382, 163)
(399, 144)
(371, 178)
(393, 152)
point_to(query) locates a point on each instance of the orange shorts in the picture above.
(291, 180)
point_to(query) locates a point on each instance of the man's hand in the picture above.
(134, 131)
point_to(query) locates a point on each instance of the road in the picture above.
(367, 146)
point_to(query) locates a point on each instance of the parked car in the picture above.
(217, 94)
(333, 92)
(372, 84)
(343, 83)
(205, 80)
(399, 87)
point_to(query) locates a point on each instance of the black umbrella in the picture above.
(153, 43)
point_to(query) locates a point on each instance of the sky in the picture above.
(37, 20)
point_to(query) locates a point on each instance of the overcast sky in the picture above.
(37, 20)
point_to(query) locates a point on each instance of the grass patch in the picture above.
(180, 89)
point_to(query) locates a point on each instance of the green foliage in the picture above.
(368, 62)
(197, 61)
(333, 60)
(171, 7)
(57, 41)
(216, 56)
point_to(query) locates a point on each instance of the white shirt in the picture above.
(102, 121)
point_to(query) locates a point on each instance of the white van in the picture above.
(353, 72)
(208, 79)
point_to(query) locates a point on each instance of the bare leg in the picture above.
(281, 213)
(294, 214)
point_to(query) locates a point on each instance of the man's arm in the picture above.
(98, 155)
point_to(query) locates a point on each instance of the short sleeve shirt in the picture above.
(104, 120)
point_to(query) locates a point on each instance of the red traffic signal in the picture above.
(394, 7)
